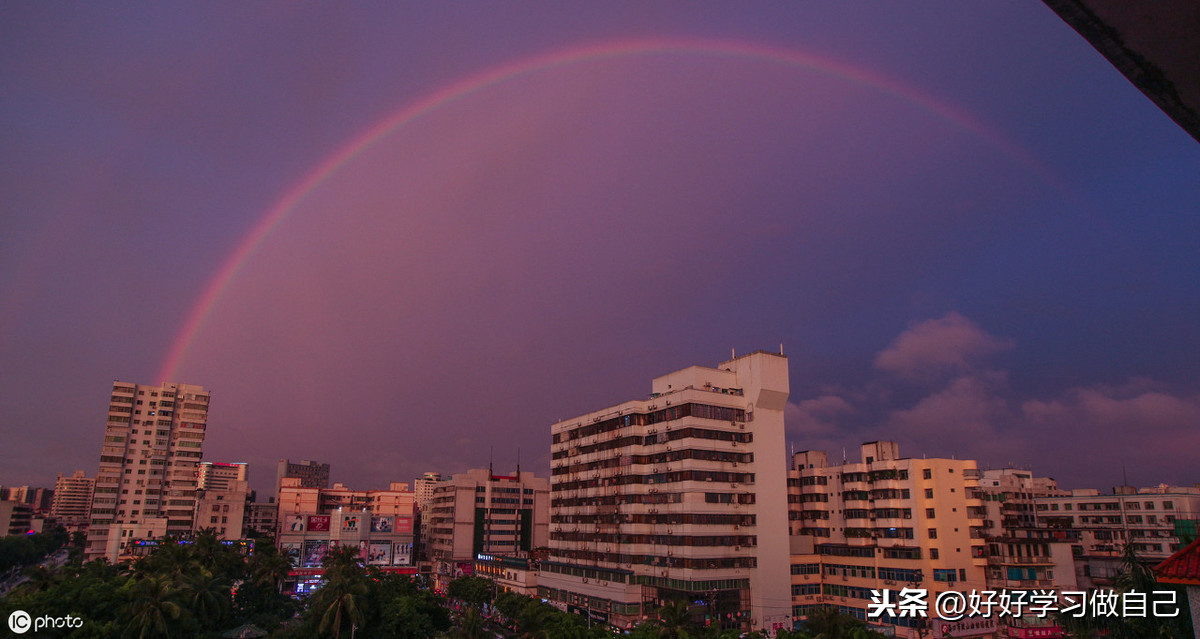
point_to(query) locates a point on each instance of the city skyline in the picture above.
(396, 240)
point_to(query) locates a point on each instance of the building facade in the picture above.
(153, 441)
(310, 473)
(222, 475)
(424, 487)
(680, 496)
(479, 512)
(885, 523)
(72, 500)
(312, 520)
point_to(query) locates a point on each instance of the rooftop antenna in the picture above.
(1124, 475)
(732, 354)
(491, 453)
(781, 348)
(518, 463)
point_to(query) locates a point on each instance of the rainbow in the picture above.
(550, 61)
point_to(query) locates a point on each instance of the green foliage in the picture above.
(473, 590)
(828, 623)
(21, 550)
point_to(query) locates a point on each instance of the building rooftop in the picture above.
(1181, 568)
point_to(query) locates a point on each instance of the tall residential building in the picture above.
(680, 496)
(478, 512)
(310, 473)
(72, 500)
(146, 482)
(221, 475)
(424, 486)
(885, 523)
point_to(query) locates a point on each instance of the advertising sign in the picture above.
(314, 552)
(318, 523)
(401, 554)
(404, 525)
(380, 553)
(294, 523)
(381, 524)
(350, 523)
(291, 551)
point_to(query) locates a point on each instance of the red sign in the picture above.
(403, 525)
(318, 523)
(306, 572)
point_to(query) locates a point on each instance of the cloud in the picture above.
(932, 347)
(1087, 436)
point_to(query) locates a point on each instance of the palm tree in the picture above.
(153, 609)
(267, 566)
(207, 597)
(342, 599)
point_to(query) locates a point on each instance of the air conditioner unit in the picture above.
(737, 547)
(737, 527)
(585, 580)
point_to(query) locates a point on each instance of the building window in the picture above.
(928, 493)
(933, 533)
(927, 473)
(930, 513)
(933, 552)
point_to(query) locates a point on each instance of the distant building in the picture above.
(1099, 526)
(72, 500)
(677, 497)
(221, 475)
(222, 510)
(424, 487)
(312, 520)
(262, 518)
(146, 483)
(885, 523)
(16, 518)
(478, 512)
(310, 473)
(39, 500)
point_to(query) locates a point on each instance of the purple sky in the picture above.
(970, 233)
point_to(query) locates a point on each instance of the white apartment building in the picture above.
(680, 496)
(424, 488)
(153, 442)
(885, 523)
(222, 475)
(72, 500)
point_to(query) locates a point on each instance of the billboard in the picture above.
(381, 524)
(291, 551)
(403, 525)
(380, 553)
(350, 523)
(318, 523)
(401, 554)
(294, 523)
(314, 552)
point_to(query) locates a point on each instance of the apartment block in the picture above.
(480, 512)
(678, 496)
(222, 475)
(424, 488)
(222, 510)
(1099, 526)
(885, 523)
(153, 441)
(72, 501)
(310, 473)
(1021, 554)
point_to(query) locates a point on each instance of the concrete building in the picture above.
(40, 500)
(222, 510)
(72, 502)
(153, 442)
(479, 512)
(310, 473)
(262, 518)
(511, 574)
(312, 520)
(424, 487)
(222, 475)
(16, 518)
(679, 496)
(1099, 526)
(885, 523)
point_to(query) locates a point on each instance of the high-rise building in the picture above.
(146, 482)
(885, 523)
(479, 512)
(72, 500)
(310, 473)
(424, 486)
(221, 475)
(222, 510)
(678, 497)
